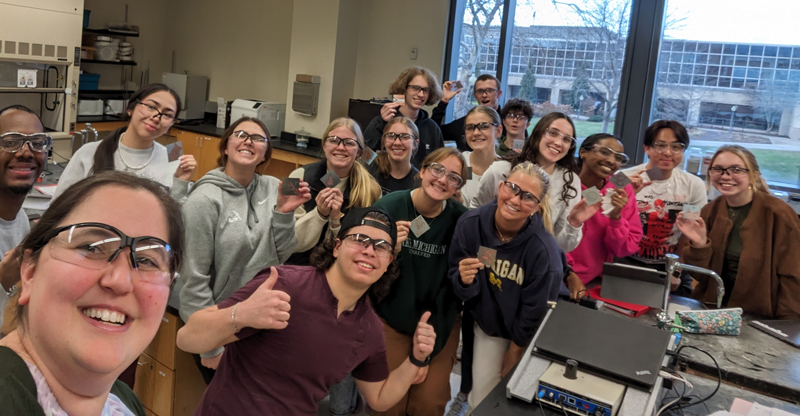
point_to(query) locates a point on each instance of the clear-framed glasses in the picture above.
(13, 142)
(676, 147)
(94, 245)
(485, 91)
(254, 138)
(382, 248)
(153, 112)
(738, 171)
(484, 127)
(416, 89)
(525, 196)
(512, 116)
(334, 141)
(394, 136)
(438, 171)
(556, 134)
(607, 152)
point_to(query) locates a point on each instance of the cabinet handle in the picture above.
(161, 373)
(139, 364)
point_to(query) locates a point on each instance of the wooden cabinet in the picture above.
(205, 150)
(283, 162)
(168, 382)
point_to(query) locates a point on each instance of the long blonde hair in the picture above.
(750, 162)
(534, 171)
(382, 160)
(364, 190)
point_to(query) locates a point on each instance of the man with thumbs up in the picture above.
(293, 331)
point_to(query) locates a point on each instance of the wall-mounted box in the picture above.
(305, 97)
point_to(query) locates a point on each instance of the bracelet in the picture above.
(417, 362)
(233, 318)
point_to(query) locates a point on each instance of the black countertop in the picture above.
(286, 145)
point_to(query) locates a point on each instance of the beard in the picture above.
(20, 190)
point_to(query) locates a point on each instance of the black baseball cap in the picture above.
(356, 217)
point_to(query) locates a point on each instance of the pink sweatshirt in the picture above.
(604, 238)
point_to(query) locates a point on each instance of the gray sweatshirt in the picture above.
(231, 234)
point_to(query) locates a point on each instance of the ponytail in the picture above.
(547, 216)
(364, 191)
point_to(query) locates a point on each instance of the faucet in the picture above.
(93, 130)
(673, 267)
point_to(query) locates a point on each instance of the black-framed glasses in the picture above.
(525, 196)
(416, 89)
(382, 248)
(94, 246)
(556, 134)
(676, 147)
(730, 170)
(402, 136)
(12, 142)
(153, 112)
(485, 91)
(607, 152)
(439, 171)
(512, 116)
(254, 138)
(484, 127)
(334, 141)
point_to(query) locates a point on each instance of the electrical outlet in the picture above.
(413, 54)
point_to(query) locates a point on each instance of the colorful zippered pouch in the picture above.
(717, 321)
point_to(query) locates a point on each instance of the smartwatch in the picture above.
(419, 363)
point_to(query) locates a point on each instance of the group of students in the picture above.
(361, 289)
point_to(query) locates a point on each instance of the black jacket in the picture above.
(430, 136)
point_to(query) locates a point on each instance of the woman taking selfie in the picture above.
(95, 279)
(133, 149)
(746, 235)
(392, 168)
(237, 223)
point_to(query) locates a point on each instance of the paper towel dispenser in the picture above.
(305, 97)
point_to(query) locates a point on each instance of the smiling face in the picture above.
(553, 147)
(60, 296)
(341, 157)
(482, 94)
(19, 170)
(478, 139)
(400, 150)
(437, 188)
(728, 184)
(598, 164)
(362, 266)
(669, 159)
(415, 100)
(147, 125)
(512, 208)
(243, 152)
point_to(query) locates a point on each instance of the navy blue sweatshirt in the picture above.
(510, 300)
(430, 136)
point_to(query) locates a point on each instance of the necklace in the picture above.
(503, 239)
(129, 167)
(420, 215)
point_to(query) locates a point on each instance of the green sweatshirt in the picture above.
(422, 284)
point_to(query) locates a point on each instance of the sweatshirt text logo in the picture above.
(505, 270)
(420, 248)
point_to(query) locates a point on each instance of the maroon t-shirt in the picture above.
(287, 371)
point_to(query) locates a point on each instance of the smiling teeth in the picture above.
(362, 264)
(512, 209)
(106, 316)
(246, 152)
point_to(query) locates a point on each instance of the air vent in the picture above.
(50, 51)
(62, 52)
(11, 47)
(24, 48)
(36, 49)
(1, 46)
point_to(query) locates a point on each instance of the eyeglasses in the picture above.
(481, 126)
(13, 142)
(511, 116)
(439, 171)
(607, 152)
(254, 138)
(382, 248)
(717, 171)
(416, 89)
(661, 147)
(394, 136)
(523, 195)
(555, 134)
(485, 91)
(94, 245)
(152, 112)
(334, 141)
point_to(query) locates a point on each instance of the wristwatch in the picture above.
(419, 363)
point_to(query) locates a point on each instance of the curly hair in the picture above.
(401, 83)
(322, 258)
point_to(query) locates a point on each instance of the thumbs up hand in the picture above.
(265, 308)
(424, 338)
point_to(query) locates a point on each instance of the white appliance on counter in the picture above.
(192, 89)
(272, 114)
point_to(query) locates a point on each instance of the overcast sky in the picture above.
(745, 21)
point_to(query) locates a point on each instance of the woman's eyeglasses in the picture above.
(94, 245)
(334, 141)
(13, 142)
(556, 134)
(254, 138)
(152, 112)
(525, 196)
(717, 171)
(607, 152)
(484, 127)
(394, 136)
(382, 248)
(439, 171)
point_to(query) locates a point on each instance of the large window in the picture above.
(737, 86)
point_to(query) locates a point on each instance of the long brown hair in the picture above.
(364, 191)
(222, 160)
(382, 160)
(104, 154)
(442, 153)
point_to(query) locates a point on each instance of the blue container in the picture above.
(89, 81)
(86, 14)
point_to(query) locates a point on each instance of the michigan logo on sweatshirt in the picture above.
(504, 269)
